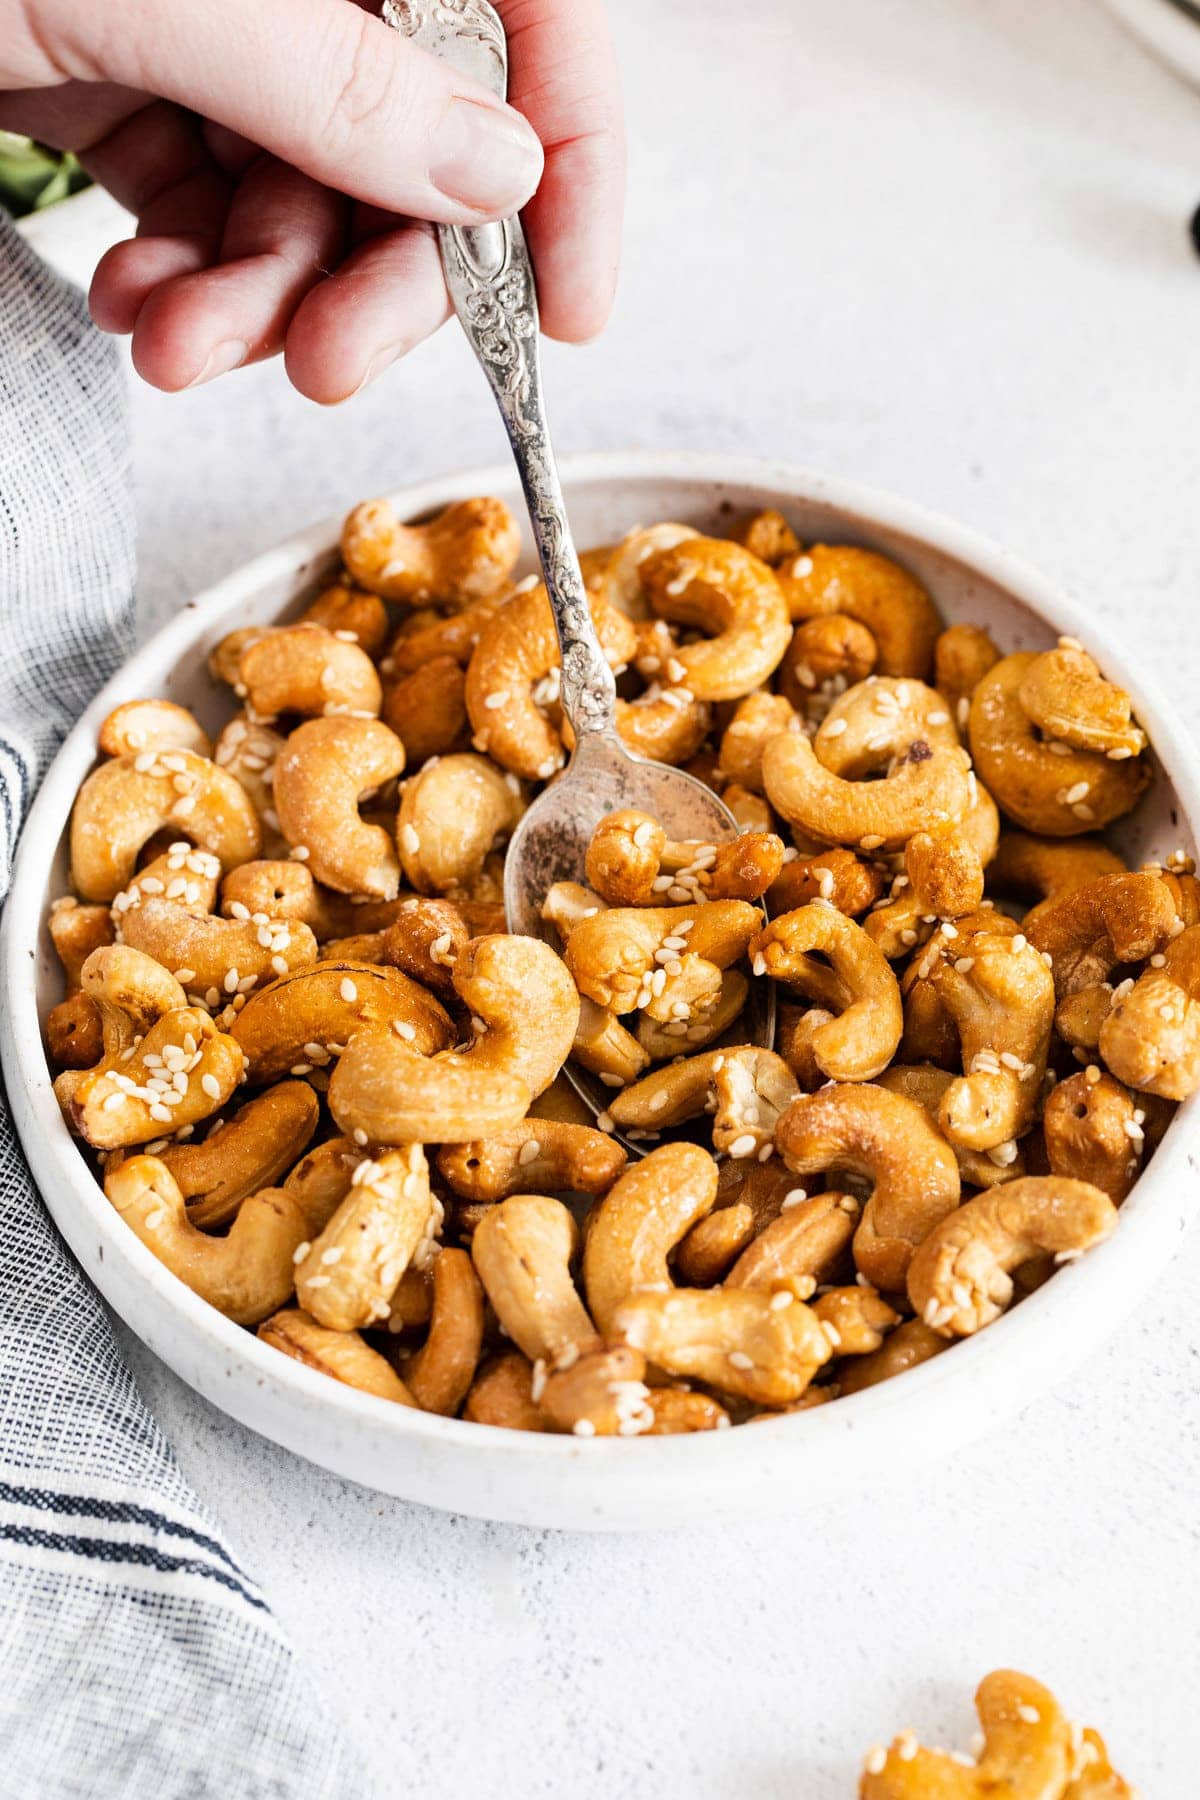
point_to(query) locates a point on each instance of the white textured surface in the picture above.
(940, 248)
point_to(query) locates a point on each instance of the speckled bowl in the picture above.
(565, 1481)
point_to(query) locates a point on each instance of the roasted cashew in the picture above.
(602, 1044)
(321, 776)
(1067, 698)
(838, 876)
(451, 815)
(855, 1319)
(75, 931)
(795, 1038)
(890, 1141)
(247, 1274)
(307, 670)
(1087, 931)
(154, 725)
(962, 656)
(614, 955)
(1000, 996)
(801, 1246)
(1151, 1038)
(862, 1040)
(75, 1033)
(1037, 868)
(1028, 1753)
(749, 1195)
(303, 1021)
(632, 1231)
(879, 720)
(340, 1354)
(924, 788)
(960, 1279)
(502, 1394)
(629, 851)
(124, 802)
(247, 749)
(711, 585)
(662, 723)
(423, 637)
(440, 1373)
(468, 552)
(518, 989)
(891, 603)
(943, 879)
(536, 1155)
(765, 1348)
(389, 1219)
(745, 1089)
(1094, 1132)
(1058, 792)
(320, 1181)
(425, 941)
(217, 958)
(767, 535)
(428, 710)
(286, 890)
(516, 652)
(522, 1251)
(352, 615)
(618, 571)
(825, 657)
(757, 719)
(679, 1409)
(694, 1022)
(926, 1083)
(909, 1345)
(240, 1156)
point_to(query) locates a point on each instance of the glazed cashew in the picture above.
(1094, 1132)
(629, 852)
(1086, 931)
(999, 994)
(602, 1045)
(962, 656)
(711, 585)
(925, 1083)
(855, 1319)
(451, 815)
(502, 1394)
(1057, 792)
(909, 1345)
(838, 876)
(428, 710)
(536, 1155)
(242, 1156)
(1028, 1752)
(343, 1355)
(74, 1033)
(613, 956)
(923, 789)
(321, 776)
(745, 1088)
(304, 1020)
(1151, 1038)
(751, 811)
(307, 670)
(943, 879)
(425, 636)
(862, 1040)
(220, 958)
(75, 931)
(878, 721)
(425, 941)
(352, 615)
(286, 890)
(246, 1275)
(388, 1220)
(765, 1348)
(796, 1031)
(124, 802)
(757, 719)
(891, 603)
(1067, 698)
(749, 1195)
(440, 1373)
(248, 750)
(633, 1230)
(825, 657)
(768, 536)
(518, 989)
(801, 1246)
(468, 552)
(153, 725)
(890, 1141)
(618, 572)
(522, 1250)
(320, 1181)
(122, 994)
(960, 1277)
(1037, 868)
(697, 1019)
(516, 652)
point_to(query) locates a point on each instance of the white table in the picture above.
(939, 247)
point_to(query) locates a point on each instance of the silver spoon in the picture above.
(490, 277)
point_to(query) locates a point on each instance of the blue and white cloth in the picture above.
(137, 1659)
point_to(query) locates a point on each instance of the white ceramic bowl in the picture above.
(565, 1481)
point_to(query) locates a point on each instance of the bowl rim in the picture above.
(1059, 1324)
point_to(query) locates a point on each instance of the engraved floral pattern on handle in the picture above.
(490, 277)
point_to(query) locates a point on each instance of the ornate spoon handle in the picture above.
(490, 277)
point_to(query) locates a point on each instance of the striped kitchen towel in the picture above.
(136, 1658)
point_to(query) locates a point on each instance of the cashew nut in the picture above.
(922, 789)
(614, 955)
(140, 725)
(962, 657)
(1151, 1038)
(468, 552)
(838, 876)
(711, 585)
(539, 1155)
(308, 670)
(451, 815)
(388, 1220)
(124, 802)
(909, 1345)
(440, 1373)
(925, 1083)
(861, 1041)
(428, 710)
(801, 1246)
(304, 1020)
(757, 719)
(322, 774)
(75, 931)
(745, 1088)
(633, 1230)
(1067, 698)
(1027, 1754)
(352, 615)
(825, 657)
(1094, 1132)
(891, 603)
(340, 1354)
(1000, 996)
(765, 1348)
(248, 750)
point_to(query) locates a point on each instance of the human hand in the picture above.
(282, 158)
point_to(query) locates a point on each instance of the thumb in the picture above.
(325, 86)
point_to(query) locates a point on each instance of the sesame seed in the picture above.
(583, 1428)
(745, 1145)
(360, 1137)
(875, 1761)
(211, 1086)
(529, 1152)
(737, 1359)
(348, 991)
(1030, 1714)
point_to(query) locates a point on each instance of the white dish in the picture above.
(565, 1481)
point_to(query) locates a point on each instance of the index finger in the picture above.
(563, 78)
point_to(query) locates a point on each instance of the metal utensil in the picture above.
(490, 277)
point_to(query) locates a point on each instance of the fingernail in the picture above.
(381, 360)
(229, 355)
(485, 157)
